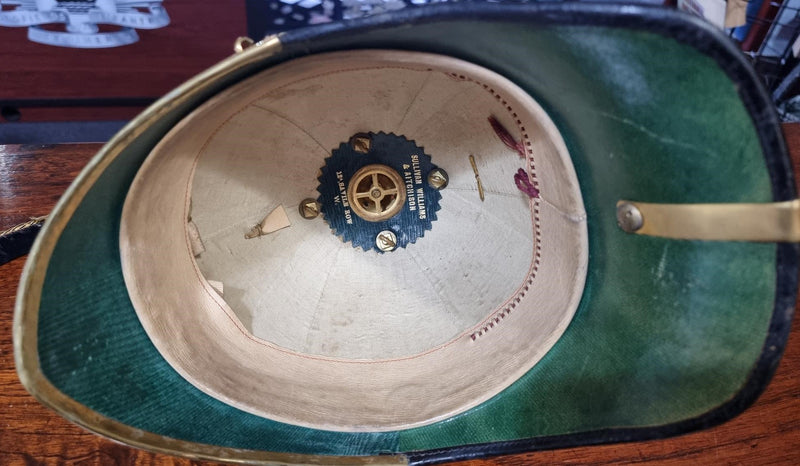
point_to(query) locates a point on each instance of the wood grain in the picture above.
(766, 433)
(33, 177)
(199, 35)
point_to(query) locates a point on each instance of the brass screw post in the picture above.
(438, 179)
(386, 241)
(629, 218)
(309, 208)
(361, 143)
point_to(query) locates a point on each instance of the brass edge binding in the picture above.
(26, 309)
(764, 222)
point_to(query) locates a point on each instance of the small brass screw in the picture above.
(361, 143)
(629, 217)
(309, 208)
(386, 241)
(438, 179)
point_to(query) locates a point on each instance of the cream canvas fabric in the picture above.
(313, 331)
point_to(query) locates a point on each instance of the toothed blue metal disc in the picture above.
(409, 161)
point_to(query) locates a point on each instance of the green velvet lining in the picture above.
(666, 330)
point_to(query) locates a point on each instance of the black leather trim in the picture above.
(18, 243)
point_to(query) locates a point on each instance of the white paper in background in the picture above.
(712, 10)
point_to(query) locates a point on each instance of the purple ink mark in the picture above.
(506, 137)
(524, 184)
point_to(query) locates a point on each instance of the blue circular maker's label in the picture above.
(397, 153)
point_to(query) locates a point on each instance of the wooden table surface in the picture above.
(33, 177)
(47, 83)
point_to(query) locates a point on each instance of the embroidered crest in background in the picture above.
(83, 24)
(272, 16)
